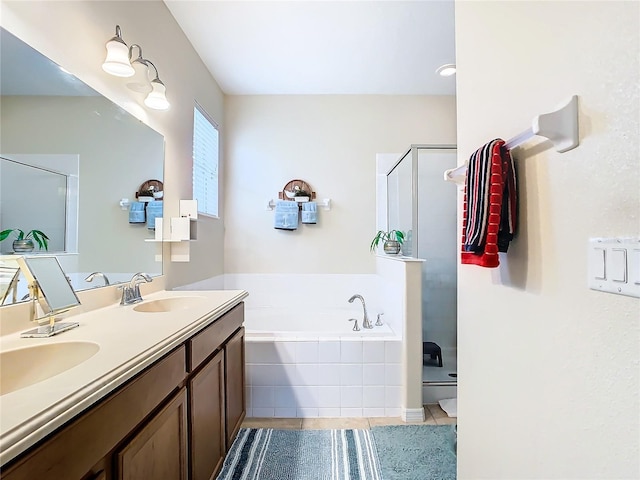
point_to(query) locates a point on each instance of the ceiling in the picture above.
(322, 47)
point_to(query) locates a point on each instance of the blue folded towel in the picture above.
(154, 209)
(309, 212)
(136, 212)
(286, 215)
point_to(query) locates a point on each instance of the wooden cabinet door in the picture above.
(159, 449)
(206, 402)
(234, 384)
(84, 447)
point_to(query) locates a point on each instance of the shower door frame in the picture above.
(413, 150)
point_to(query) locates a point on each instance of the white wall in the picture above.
(331, 142)
(548, 369)
(73, 34)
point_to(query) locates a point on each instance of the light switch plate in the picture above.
(614, 265)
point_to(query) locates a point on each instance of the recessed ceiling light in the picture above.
(446, 70)
(65, 70)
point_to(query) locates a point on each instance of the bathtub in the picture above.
(317, 323)
(303, 362)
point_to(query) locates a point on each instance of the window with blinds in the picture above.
(205, 162)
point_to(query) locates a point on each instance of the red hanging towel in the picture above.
(490, 204)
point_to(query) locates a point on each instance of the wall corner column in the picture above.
(402, 279)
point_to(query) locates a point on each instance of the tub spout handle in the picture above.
(356, 328)
(365, 319)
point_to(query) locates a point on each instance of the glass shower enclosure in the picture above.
(423, 206)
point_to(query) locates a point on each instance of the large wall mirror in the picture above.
(68, 155)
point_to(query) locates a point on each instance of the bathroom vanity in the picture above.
(153, 390)
(163, 397)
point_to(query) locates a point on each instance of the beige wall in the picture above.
(117, 154)
(73, 34)
(548, 369)
(330, 142)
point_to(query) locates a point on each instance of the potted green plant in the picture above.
(392, 239)
(24, 241)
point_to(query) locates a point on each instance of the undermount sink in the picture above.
(23, 367)
(164, 305)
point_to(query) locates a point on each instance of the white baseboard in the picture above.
(412, 415)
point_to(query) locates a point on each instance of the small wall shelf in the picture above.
(294, 188)
(189, 209)
(182, 230)
(152, 189)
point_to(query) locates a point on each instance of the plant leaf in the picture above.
(40, 237)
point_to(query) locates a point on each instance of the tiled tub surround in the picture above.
(305, 294)
(294, 323)
(303, 359)
(311, 374)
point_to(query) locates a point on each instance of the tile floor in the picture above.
(434, 415)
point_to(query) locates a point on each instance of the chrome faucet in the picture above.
(93, 275)
(131, 292)
(365, 321)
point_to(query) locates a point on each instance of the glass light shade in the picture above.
(157, 98)
(117, 61)
(139, 82)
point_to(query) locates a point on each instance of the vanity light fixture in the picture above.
(117, 61)
(139, 81)
(120, 62)
(446, 70)
(157, 98)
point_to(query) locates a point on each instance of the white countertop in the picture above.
(129, 342)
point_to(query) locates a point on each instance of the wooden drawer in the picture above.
(76, 448)
(212, 337)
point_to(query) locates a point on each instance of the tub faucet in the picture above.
(131, 292)
(98, 274)
(365, 321)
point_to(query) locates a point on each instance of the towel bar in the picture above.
(559, 126)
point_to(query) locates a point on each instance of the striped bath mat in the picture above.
(268, 454)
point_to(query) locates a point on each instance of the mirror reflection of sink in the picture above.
(164, 305)
(23, 367)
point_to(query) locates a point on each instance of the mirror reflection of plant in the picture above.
(382, 236)
(40, 237)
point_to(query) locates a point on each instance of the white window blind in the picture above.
(205, 162)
